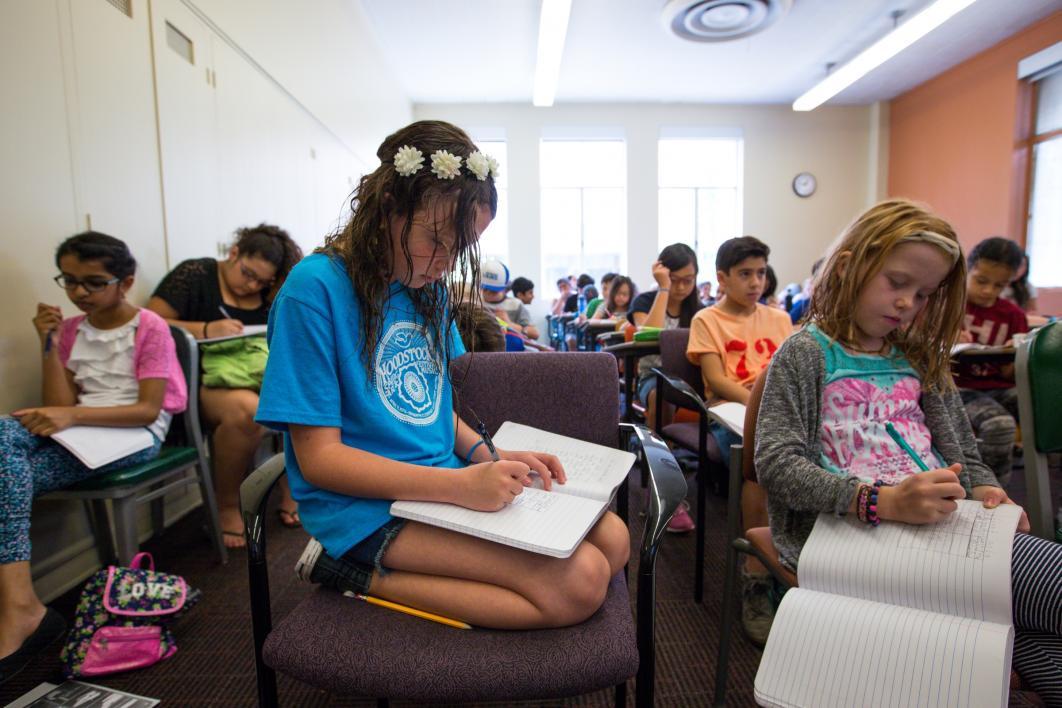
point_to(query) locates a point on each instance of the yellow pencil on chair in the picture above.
(409, 610)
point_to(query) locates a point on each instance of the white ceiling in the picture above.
(474, 51)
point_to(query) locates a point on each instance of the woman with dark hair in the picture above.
(212, 299)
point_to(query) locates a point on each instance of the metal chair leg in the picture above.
(210, 507)
(101, 530)
(125, 530)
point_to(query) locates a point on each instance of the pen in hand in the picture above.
(895, 435)
(225, 313)
(482, 430)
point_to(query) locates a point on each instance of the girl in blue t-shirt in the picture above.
(361, 336)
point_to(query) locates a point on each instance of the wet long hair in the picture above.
(858, 256)
(364, 243)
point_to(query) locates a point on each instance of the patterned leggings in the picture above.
(992, 414)
(1036, 584)
(31, 465)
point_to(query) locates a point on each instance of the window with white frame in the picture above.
(494, 243)
(1044, 240)
(583, 208)
(699, 193)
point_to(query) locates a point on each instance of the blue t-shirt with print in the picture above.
(316, 376)
(861, 393)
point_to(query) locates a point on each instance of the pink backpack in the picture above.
(122, 617)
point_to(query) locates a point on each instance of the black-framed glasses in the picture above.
(250, 275)
(91, 285)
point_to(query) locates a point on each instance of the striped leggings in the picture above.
(993, 414)
(1036, 583)
(31, 465)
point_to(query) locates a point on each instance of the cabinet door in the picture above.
(115, 139)
(186, 108)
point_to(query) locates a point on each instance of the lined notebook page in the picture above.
(538, 521)
(826, 650)
(593, 470)
(960, 566)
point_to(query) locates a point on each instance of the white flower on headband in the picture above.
(445, 165)
(495, 168)
(479, 165)
(408, 160)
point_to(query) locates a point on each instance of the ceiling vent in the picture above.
(722, 20)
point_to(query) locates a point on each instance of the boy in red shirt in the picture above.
(988, 389)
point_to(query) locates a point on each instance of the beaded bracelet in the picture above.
(872, 506)
(862, 495)
(468, 457)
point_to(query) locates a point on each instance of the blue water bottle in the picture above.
(581, 303)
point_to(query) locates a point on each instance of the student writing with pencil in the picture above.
(211, 299)
(361, 338)
(861, 400)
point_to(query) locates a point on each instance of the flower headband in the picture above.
(444, 165)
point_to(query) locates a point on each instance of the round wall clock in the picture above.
(804, 184)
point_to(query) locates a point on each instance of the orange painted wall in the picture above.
(952, 142)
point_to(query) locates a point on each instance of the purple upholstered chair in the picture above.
(679, 383)
(354, 648)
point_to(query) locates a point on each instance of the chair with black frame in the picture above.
(1038, 376)
(128, 488)
(678, 382)
(353, 648)
(746, 503)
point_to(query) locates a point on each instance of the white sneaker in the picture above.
(308, 559)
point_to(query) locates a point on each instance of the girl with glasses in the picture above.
(113, 365)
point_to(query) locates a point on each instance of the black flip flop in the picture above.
(51, 628)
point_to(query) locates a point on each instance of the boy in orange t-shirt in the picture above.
(732, 342)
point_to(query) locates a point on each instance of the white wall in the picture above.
(106, 127)
(836, 144)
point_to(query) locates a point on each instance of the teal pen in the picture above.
(895, 435)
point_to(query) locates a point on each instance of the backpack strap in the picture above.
(137, 561)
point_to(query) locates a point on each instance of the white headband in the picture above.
(941, 242)
(444, 165)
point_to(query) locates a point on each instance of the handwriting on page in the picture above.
(958, 535)
(538, 502)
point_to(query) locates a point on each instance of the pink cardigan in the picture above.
(155, 355)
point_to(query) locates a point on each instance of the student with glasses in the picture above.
(112, 364)
(211, 299)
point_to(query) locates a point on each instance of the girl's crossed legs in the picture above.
(491, 585)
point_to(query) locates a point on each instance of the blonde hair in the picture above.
(858, 255)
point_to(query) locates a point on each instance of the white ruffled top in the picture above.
(104, 368)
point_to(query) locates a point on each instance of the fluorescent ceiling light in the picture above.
(881, 51)
(552, 29)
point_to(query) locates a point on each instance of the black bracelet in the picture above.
(205, 325)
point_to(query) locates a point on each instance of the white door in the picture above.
(187, 124)
(115, 139)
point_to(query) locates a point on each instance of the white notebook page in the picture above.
(731, 414)
(98, 445)
(543, 522)
(960, 566)
(593, 470)
(825, 650)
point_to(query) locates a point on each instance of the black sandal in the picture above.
(52, 627)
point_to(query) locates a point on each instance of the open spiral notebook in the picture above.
(552, 523)
(897, 615)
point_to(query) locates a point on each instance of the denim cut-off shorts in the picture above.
(353, 572)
